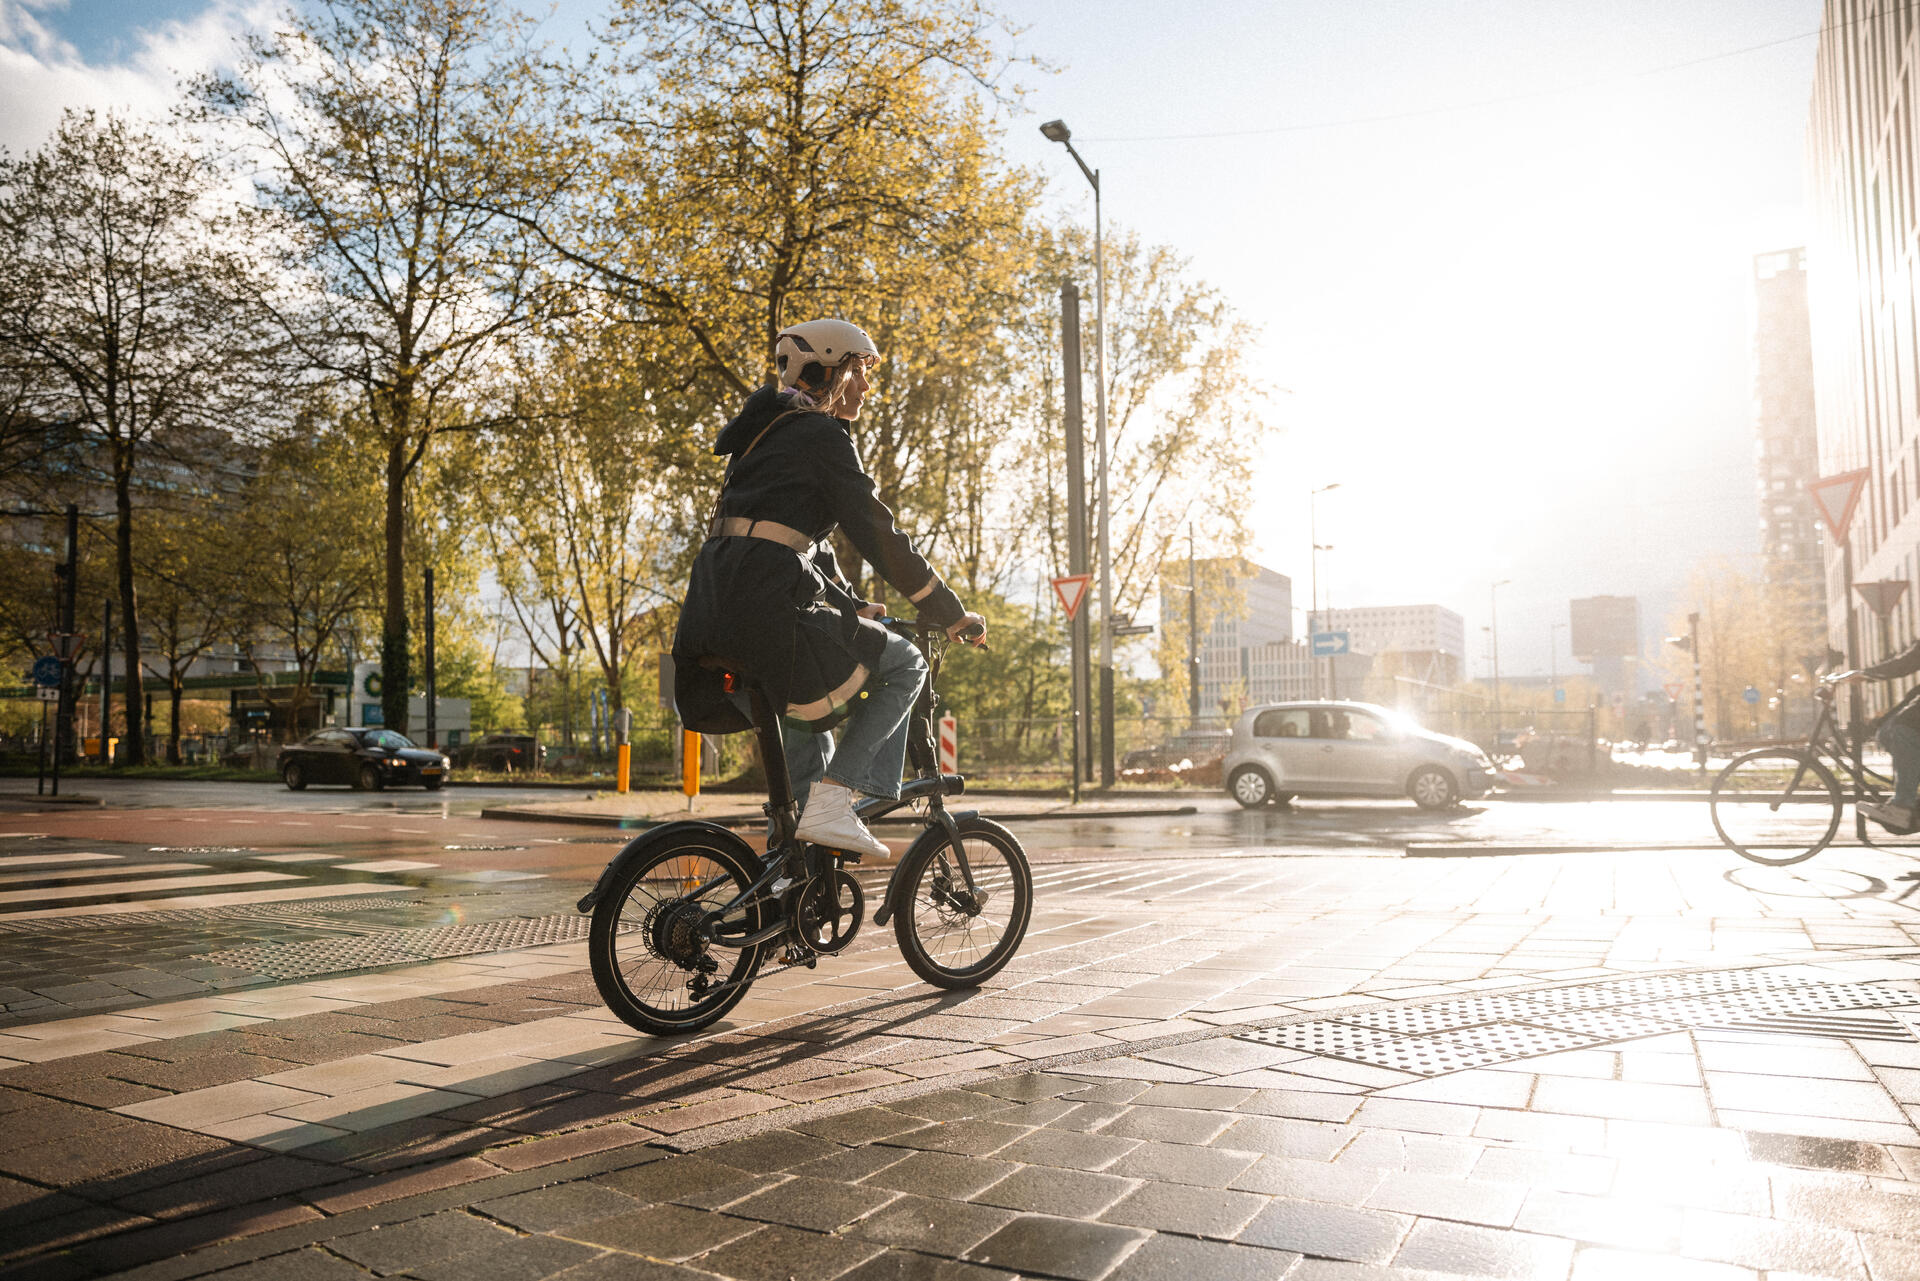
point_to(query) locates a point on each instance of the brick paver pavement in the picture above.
(1577, 1066)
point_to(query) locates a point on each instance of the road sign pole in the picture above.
(1699, 698)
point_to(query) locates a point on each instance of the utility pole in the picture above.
(1699, 691)
(433, 724)
(1193, 638)
(106, 680)
(1076, 530)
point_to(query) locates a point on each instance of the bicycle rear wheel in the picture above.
(651, 966)
(1776, 806)
(955, 937)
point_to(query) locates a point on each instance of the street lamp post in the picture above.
(1553, 657)
(1057, 131)
(1313, 617)
(1493, 627)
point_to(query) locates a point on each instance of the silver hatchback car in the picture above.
(1283, 750)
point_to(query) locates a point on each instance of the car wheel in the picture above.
(1250, 786)
(369, 779)
(1433, 789)
(294, 777)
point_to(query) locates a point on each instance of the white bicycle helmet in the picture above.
(818, 342)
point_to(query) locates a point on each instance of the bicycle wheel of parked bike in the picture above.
(1776, 806)
(953, 936)
(649, 962)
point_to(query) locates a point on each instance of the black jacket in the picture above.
(782, 617)
(1905, 663)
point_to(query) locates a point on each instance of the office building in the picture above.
(1861, 300)
(1425, 643)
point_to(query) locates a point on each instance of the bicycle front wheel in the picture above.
(649, 962)
(954, 936)
(1776, 806)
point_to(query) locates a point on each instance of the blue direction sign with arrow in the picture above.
(1750, 694)
(1327, 644)
(46, 671)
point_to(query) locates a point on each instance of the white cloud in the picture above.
(42, 74)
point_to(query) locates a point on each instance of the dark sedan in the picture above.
(368, 759)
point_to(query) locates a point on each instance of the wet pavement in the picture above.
(1233, 1045)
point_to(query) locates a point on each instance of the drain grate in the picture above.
(335, 955)
(1449, 1036)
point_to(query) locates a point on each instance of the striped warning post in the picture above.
(949, 745)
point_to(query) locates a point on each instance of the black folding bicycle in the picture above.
(686, 914)
(1783, 805)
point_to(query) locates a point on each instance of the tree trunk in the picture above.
(136, 742)
(396, 669)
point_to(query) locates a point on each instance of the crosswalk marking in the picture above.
(157, 883)
(32, 860)
(85, 873)
(208, 900)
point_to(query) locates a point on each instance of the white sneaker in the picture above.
(1895, 818)
(829, 820)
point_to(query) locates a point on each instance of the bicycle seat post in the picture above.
(780, 807)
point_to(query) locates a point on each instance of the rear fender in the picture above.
(645, 843)
(897, 884)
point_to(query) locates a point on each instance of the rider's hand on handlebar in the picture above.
(971, 628)
(1843, 678)
(873, 611)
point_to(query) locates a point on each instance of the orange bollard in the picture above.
(689, 765)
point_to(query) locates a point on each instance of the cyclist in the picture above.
(767, 598)
(1899, 733)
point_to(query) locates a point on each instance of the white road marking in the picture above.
(205, 900)
(30, 860)
(386, 865)
(137, 887)
(82, 873)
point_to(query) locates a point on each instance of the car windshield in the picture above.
(388, 739)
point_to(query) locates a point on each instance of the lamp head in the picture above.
(1056, 131)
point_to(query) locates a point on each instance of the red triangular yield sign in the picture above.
(1836, 496)
(1673, 692)
(1881, 597)
(1072, 590)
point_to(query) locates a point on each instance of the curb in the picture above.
(626, 823)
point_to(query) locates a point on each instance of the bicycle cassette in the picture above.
(830, 911)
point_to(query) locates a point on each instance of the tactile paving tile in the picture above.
(234, 912)
(1855, 1025)
(1608, 1025)
(1340, 1040)
(1515, 1040)
(1442, 1015)
(1449, 1036)
(331, 956)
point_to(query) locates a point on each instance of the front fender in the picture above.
(642, 845)
(896, 884)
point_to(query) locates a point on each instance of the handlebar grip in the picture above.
(972, 634)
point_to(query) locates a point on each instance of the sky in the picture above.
(1498, 254)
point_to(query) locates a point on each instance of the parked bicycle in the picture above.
(685, 915)
(1782, 805)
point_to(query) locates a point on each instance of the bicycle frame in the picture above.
(1827, 743)
(785, 855)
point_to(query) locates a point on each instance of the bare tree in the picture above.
(121, 312)
(399, 135)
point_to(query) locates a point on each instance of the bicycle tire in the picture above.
(1777, 806)
(643, 956)
(935, 928)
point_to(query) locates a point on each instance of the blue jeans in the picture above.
(872, 751)
(1902, 742)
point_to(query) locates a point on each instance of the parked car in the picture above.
(504, 751)
(1283, 750)
(367, 759)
